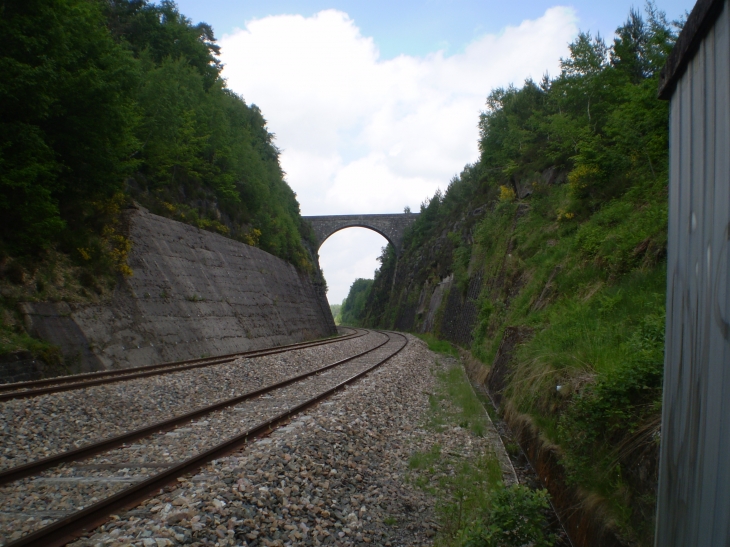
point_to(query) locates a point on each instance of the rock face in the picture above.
(193, 294)
(434, 302)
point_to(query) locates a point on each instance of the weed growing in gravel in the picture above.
(436, 420)
(424, 460)
(463, 406)
(465, 495)
(438, 346)
(515, 516)
(473, 507)
(460, 482)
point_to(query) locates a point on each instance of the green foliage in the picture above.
(469, 413)
(336, 310)
(424, 460)
(50, 276)
(576, 265)
(462, 257)
(106, 103)
(353, 306)
(465, 489)
(516, 517)
(126, 95)
(206, 157)
(379, 297)
(620, 401)
(66, 118)
(461, 483)
(439, 346)
(474, 507)
(599, 118)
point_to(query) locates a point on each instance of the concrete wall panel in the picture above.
(193, 293)
(694, 477)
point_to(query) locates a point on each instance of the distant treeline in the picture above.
(352, 310)
(105, 101)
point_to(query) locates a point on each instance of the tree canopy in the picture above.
(107, 101)
(353, 306)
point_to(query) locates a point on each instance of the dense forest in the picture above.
(554, 242)
(108, 103)
(353, 306)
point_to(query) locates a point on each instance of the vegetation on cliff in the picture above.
(559, 232)
(103, 103)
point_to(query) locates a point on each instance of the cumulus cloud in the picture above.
(347, 255)
(364, 135)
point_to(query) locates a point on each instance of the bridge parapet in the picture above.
(391, 226)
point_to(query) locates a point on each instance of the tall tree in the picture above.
(66, 116)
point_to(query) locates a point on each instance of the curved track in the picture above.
(34, 388)
(177, 450)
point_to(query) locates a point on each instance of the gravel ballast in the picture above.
(37, 427)
(336, 474)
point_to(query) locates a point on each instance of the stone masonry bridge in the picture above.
(391, 227)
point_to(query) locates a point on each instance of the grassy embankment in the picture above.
(559, 232)
(473, 506)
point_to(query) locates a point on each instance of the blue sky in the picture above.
(375, 105)
(414, 27)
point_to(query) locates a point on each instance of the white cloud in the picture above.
(341, 266)
(364, 135)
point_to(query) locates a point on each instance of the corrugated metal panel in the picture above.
(695, 29)
(693, 505)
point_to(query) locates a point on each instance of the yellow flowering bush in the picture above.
(582, 177)
(506, 193)
(85, 253)
(564, 215)
(118, 248)
(252, 238)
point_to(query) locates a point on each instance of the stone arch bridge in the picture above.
(392, 227)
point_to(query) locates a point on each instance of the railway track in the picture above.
(34, 388)
(51, 501)
(36, 427)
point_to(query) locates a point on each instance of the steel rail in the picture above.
(75, 525)
(209, 360)
(70, 383)
(35, 467)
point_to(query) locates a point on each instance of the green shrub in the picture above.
(516, 517)
(617, 404)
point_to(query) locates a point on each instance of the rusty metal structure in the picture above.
(693, 501)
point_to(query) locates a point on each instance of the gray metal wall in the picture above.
(693, 507)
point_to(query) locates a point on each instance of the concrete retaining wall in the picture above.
(193, 294)
(20, 366)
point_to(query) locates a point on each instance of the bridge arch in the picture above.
(391, 226)
(379, 232)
